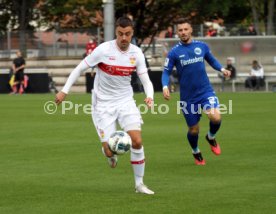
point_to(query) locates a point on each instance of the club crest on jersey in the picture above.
(197, 51)
(101, 132)
(132, 60)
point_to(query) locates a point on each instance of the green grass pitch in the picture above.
(53, 163)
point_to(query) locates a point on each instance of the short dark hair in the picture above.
(124, 22)
(183, 21)
(256, 63)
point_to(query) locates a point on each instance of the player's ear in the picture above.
(132, 32)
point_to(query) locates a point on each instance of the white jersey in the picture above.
(114, 69)
(258, 72)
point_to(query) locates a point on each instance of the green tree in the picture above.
(150, 17)
(17, 15)
(270, 17)
(5, 10)
(263, 15)
(70, 13)
(153, 16)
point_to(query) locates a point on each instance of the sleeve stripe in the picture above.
(87, 63)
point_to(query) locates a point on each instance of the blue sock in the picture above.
(193, 139)
(214, 127)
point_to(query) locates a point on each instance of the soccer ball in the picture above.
(119, 142)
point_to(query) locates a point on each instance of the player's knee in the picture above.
(216, 119)
(214, 116)
(136, 142)
(194, 130)
(136, 137)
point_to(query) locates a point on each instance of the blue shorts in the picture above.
(192, 111)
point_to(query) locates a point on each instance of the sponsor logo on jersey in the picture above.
(191, 61)
(198, 51)
(132, 60)
(116, 70)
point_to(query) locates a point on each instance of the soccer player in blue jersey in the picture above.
(196, 91)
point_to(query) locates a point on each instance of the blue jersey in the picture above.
(189, 62)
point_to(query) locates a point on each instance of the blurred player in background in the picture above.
(230, 67)
(90, 46)
(112, 97)
(19, 83)
(196, 92)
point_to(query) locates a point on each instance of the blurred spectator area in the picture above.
(242, 49)
(72, 42)
(59, 52)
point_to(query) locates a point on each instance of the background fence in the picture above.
(229, 41)
(242, 49)
(46, 43)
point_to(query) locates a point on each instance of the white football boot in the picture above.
(142, 188)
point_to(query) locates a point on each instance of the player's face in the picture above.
(184, 32)
(123, 37)
(229, 62)
(18, 54)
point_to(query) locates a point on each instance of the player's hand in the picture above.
(60, 96)
(226, 73)
(149, 102)
(166, 93)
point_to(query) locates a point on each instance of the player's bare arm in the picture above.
(14, 68)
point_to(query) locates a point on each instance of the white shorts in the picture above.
(105, 118)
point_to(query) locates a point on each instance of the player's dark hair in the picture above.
(256, 64)
(183, 21)
(124, 22)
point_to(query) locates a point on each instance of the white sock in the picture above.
(210, 136)
(137, 158)
(195, 151)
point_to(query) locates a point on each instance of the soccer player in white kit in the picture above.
(112, 96)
